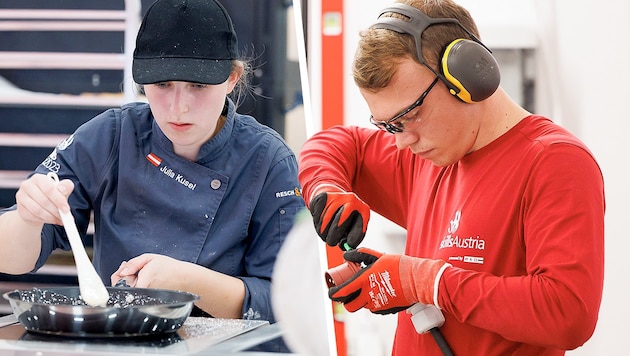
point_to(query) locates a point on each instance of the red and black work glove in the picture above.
(388, 283)
(340, 218)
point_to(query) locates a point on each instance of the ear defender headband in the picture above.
(467, 67)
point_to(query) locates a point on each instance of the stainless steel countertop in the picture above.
(201, 336)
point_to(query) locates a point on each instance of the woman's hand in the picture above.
(220, 295)
(153, 271)
(39, 199)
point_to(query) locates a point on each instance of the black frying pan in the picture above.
(129, 311)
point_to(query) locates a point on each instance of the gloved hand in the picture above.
(340, 217)
(388, 283)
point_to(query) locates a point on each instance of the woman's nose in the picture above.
(179, 105)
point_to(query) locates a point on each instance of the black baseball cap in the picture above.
(185, 40)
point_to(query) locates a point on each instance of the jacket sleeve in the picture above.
(272, 219)
(84, 158)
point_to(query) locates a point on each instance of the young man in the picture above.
(504, 209)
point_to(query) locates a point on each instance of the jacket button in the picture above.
(215, 184)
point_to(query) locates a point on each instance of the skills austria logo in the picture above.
(453, 241)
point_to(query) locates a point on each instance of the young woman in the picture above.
(185, 193)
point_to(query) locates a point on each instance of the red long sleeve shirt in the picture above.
(521, 220)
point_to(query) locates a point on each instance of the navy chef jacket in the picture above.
(229, 211)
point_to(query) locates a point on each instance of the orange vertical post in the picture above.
(332, 60)
(332, 63)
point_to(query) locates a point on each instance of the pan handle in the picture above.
(122, 283)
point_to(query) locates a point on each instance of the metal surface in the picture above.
(251, 339)
(198, 336)
(166, 313)
(8, 320)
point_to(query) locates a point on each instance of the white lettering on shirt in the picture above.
(453, 240)
(289, 193)
(178, 177)
(473, 242)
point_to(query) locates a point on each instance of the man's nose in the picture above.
(404, 139)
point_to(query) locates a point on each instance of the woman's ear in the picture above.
(139, 89)
(235, 76)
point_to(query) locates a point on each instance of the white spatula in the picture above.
(92, 289)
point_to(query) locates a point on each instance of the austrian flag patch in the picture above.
(155, 160)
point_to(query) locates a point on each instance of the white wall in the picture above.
(583, 60)
(593, 56)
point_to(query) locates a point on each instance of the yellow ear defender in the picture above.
(471, 69)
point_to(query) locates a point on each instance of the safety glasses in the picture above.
(395, 125)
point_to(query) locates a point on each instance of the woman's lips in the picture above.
(179, 126)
